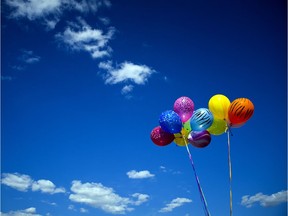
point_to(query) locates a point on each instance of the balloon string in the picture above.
(202, 196)
(230, 168)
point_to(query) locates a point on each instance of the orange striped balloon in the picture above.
(240, 111)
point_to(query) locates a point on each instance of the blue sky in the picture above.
(84, 83)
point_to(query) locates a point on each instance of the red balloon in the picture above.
(161, 137)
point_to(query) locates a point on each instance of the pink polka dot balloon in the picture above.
(184, 107)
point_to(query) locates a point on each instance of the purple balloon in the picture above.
(199, 139)
(184, 107)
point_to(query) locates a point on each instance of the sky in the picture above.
(83, 84)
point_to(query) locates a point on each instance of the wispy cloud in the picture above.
(26, 212)
(49, 12)
(4, 78)
(98, 196)
(25, 182)
(141, 198)
(80, 36)
(126, 71)
(264, 200)
(133, 174)
(27, 56)
(174, 204)
(127, 89)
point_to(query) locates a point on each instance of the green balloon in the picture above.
(187, 126)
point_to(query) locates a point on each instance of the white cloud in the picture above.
(141, 198)
(127, 71)
(104, 198)
(33, 9)
(265, 200)
(49, 11)
(27, 56)
(85, 6)
(26, 212)
(174, 204)
(82, 37)
(24, 182)
(83, 210)
(133, 174)
(127, 89)
(46, 186)
(17, 181)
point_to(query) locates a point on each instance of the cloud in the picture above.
(85, 6)
(265, 200)
(33, 9)
(174, 204)
(127, 89)
(104, 198)
(17, 181)
(46, 186)
(82, 37)
(83, 210)
(141, 198)
(133, 174)
(24, 183)
(126, 71)
(49, 12)
(9, 78)
(27, 56)
(26, 212)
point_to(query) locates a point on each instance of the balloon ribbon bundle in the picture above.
(183, 125)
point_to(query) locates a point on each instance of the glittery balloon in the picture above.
(160, 137)
(184, 107)
(201, 119)
(199, 139)
(170, 122)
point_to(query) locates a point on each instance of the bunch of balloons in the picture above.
(185, 125)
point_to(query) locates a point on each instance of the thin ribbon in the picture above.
(230, 167)
(207, 213)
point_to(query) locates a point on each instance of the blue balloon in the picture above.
(170, 122)
(201, 119)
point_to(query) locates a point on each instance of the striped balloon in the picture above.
(240, 111)
(201, 119)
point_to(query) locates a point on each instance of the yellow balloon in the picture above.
(218, 127)
(219, 105)
(179, 137)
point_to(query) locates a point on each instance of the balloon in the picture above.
(201, 119)
(236, 125)
(184, 107)
(187, 126)
(161, 137)
(218, 127)
(170, 122)
(179, 140)
(219, 105)
(240, 111)
(199, 139)
(179, 137)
